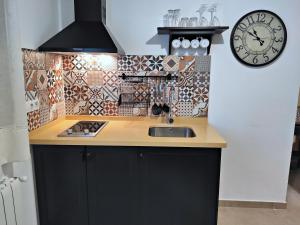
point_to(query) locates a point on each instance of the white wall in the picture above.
(254, 109)
(27, 25)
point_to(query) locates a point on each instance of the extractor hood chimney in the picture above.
(86, 34)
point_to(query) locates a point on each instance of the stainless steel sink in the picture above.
(183, 132)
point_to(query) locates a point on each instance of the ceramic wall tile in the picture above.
(111, 79)
(94, 78)
(91, 84)
(44, 115)
(187, 64)
(42, 80)
(30, 78)
(155, 63)
(81, 107)
(185, 94)
(68, 62)
(140, 63)
(81, 92)
(184, 109)
(125, 63)
(95, 107)
(33, 120)
(29, 59)
(96, 93)
(171, 63)
(39, 63)
(110, 93)
(110, 108)
(202, 63)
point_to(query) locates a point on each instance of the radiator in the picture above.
(10, 201)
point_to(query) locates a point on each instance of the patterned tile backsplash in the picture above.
(84, 84)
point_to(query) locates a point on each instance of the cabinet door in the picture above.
(61, 185)
(112, 186)
(180, 187)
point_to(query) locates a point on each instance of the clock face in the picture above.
(258, 38)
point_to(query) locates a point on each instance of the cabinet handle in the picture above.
(141, 155)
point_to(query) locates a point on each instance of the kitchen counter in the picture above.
(129, 131)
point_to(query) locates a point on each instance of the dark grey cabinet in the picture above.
(127, 185)
(60, 175)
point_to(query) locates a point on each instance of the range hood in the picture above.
(87, 34)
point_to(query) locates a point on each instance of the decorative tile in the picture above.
(140, 110)
(125, 63)
(95, 107)
(184, 109)
(185, 94)
(52, 96)
(155, 63)
(81, 92)
(33, 120)
(30, 95)
(141, 92)
(202, 63)
(58, 76)
(96, 93)
(127, 98)
(40, 58)
(110, 93)
(185, 79)
(69, 107)
(140, 63)
(44, 115)
(201, 79)
(108, 62)
(79, 62)
(60, 108)
(94, 78)
(53, 112)
(43, 97)
(93, 62)
(110, 108)
(201, 95)
(59, 92)
(42, 80)
(68, 62)
(200, 109)
(80, 77)
(53, 62)
(30, 80)
(126, 109)
(187, 64)
(111, 79)
(69, 77)
(69, 93)
(81, 108)
(171, 63)
(51, 80)
(28, 59)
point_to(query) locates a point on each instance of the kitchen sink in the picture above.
(183, 132)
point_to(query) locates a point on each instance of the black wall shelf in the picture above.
(191, 33)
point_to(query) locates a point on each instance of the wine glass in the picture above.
(214, 20)
(202, 20)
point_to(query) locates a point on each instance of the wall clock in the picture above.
(258, 38)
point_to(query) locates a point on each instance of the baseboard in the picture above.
(252, 204)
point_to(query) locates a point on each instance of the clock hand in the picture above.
(251, 34)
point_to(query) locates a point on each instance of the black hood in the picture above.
(86, 34)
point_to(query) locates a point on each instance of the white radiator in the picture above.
(10, 201)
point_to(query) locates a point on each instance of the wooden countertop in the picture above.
(129, 131)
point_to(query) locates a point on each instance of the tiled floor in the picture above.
(247, 216)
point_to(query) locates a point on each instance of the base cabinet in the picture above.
(127, 185)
